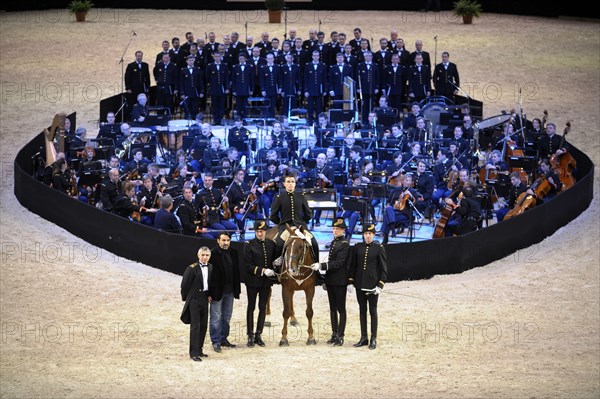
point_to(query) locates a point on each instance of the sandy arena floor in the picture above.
(77, 321)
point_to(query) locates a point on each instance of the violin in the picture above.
(564, 164)
(73, 189)
(225, 212)
(400, 203)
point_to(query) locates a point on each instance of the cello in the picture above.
(541, 187)
(564, 164)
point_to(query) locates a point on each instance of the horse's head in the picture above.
(297, 254)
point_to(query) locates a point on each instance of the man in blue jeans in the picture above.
(223, 288)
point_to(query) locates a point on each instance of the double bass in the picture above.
(564, 164)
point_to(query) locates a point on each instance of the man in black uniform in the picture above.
(515, 190)
(166, 74)
(368, 273)
(549, 145)
(468, 211)
(212, 198)
(243, 201)
(188, 215)
(336, 280)
(291, 208)
(194, 291)
(445, 77)
(259, 254)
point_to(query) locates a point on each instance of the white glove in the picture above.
(278, 261)
(315, 266)
(268, 272)
(378, 290)
(350, 289)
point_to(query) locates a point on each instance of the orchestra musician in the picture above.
(239, 138)
(191, 218)
(536, 132)
(269, 185)
(241, 198)
(164, 219)
(549, 144)
(126, 204)
(399, 212)
(355, 189)
(467, 212)
(61, 177)
(149, 197)
(423, 183)
(214, 200)
(311, 150)
(109, 190)
(517, 187)
(410, 120)
(440, 176)
(324, 176)
(140, 110)
(211, 156)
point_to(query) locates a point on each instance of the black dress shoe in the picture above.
(332, 339)
(373, 343)
(217, 348)
(258, 340)
(203, 355)
(196, 358)
(339, 341)
(250, 343)
(228, 344)
(362, 342)
(317, 224)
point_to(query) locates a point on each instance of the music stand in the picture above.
(527, 163)
(90, 178)
(148, 150)
(222, 182)
(386, 116)
(309, 163)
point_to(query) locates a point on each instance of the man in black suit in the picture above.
(223, 288)
(337, 75)
(242, 84)
(368, 84)
(164, 219)
(194, 291)
(137, 78)
(445, 77)
(393, 80)
(259, 255)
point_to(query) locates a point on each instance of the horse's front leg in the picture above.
(286, 297)
(293, 321)
(310, 294)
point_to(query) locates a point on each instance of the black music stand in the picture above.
(386, 116)
(357, 204)
(527, 163)
(148, 150)
(90, 178)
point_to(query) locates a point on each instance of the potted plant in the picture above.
(467, 9)
(80, 8)
(274, 7)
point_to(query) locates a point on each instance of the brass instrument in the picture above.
(120, 153)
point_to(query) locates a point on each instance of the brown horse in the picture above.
(297, 275)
